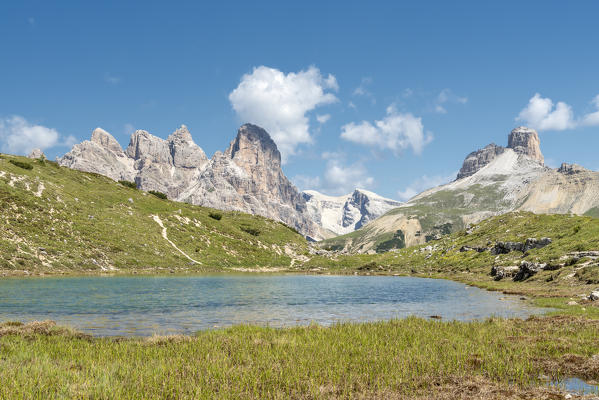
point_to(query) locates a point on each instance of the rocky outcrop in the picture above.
(529, 244)
(521, 140)
(478, 159)
(526, 141)
(344, 214)
(246, 177)
(571, 169)
(37, 153)
(103, 155)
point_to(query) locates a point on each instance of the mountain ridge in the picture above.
(493, 180)
(246, 177)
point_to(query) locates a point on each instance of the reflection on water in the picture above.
(165, 305)
(575, 385)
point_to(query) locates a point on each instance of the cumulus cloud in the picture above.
(541, 114)
(18, 136)
(592, 119)
(447, 96)
(280, 103)
(339, 178)
(423, 183)
(396, 132)
(322, 119)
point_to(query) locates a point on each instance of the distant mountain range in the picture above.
(492, 181)
(345, 214)
(248, 177)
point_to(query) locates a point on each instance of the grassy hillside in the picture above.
(55, 219)
(567, 273)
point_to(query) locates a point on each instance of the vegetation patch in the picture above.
(250, 229)
(408, 358)
(21, 164)
(158, 194)
(128, 184)
(215, 215)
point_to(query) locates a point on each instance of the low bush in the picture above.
(158, 194)
(248, 229)
(21, 164)
(128, 184)
(215, 215)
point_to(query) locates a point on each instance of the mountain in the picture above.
(247, 177)
(344, 214)
(492, 181)
(60, 220)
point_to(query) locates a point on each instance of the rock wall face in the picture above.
(246, 177)
(478, 159)
(526, 141)
(522, 140)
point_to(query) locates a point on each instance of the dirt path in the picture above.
(159, 222)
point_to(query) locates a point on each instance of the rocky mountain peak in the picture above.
(521, 140)
(106, 140)
(181, 134)
(526, 141)
(252, 146)
(37, 153)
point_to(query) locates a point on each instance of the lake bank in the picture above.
(408, 358)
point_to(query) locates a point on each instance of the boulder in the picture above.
(594, 296)
(37, 153)
(499, 272)
(506, 247)
(528, 269)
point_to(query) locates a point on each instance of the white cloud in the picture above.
(279, 103)
(18, 136)
(304, 182)
(362, 90)
(396, 132)
(541, 114)
(322, 119)
(447, 96)
(592, 119)
(423, 183)
(338, 178)
(128, 129)
(109, 78)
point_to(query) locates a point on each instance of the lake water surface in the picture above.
(134, 305)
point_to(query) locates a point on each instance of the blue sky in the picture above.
(390, 96)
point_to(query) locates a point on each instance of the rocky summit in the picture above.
(493, 181)
(521, 140)
(246, 177)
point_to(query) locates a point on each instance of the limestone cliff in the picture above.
(522, 140)
(246, 177)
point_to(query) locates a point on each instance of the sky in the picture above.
(385, 96)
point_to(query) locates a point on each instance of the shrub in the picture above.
(215, 215)
(158, 194)
(252, 231)
(21, 164)
(128, 184)
(292, 229)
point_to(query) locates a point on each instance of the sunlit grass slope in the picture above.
(54, 219)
